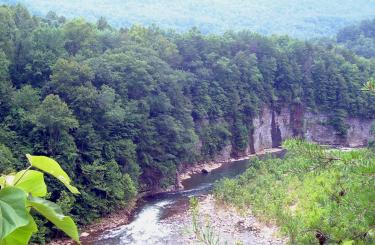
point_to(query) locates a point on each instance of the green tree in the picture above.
(67, 76)
(6, 88)
(54, 119)
(47, 45)
(107, 188)
(78, 34)
(7, 160)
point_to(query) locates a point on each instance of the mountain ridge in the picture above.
(301, 19)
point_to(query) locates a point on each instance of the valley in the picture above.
(103, 118)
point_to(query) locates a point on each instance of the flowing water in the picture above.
(147, 226)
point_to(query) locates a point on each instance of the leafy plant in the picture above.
(204, 233)
(315, 195)
(370, 86)
(22, 192)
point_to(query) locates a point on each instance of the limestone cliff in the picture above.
(271, 127)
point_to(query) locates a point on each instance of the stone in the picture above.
(85, 234)
(204, 171)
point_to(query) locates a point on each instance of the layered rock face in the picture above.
(358, 132)
(271, 127)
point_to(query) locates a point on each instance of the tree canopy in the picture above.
(297, 18)
(359, 38)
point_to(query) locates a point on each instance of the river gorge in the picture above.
(164, 218)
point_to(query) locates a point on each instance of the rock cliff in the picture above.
(271, 127)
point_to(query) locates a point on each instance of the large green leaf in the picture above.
(32, 182)
(21, 235)
(13, 212)
(2, 181)
(50, 166)
(351, 242)
(7, 180)
(53, 213)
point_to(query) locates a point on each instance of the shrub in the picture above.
(314, 195)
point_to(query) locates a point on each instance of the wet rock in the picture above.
(204, 171)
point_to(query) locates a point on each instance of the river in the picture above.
(147, 226)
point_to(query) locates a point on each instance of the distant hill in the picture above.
(359, 38)
(297, 18)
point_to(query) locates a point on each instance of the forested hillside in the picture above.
(297, 18)
(359, 38)
(122, 109)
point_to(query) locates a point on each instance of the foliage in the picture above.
(308, 18)
(370, 86)
(22, 192)
(122, 109)
(6, 159)
(105, 185)
(360, 38)
(312, 194)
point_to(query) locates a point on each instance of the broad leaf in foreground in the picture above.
(51, 167)
(21, 235)
(32, 182)
(53, 213)
(13, 213)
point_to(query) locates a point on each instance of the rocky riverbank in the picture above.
(228, 224)
(90, 233)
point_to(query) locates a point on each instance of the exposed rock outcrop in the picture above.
(271, 127)
(317, 130)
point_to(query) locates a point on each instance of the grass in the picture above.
(315, 196)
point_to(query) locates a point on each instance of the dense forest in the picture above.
(297, 18)
(359, 38)
(121, 110)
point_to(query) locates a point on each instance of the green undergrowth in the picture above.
(315, 196)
